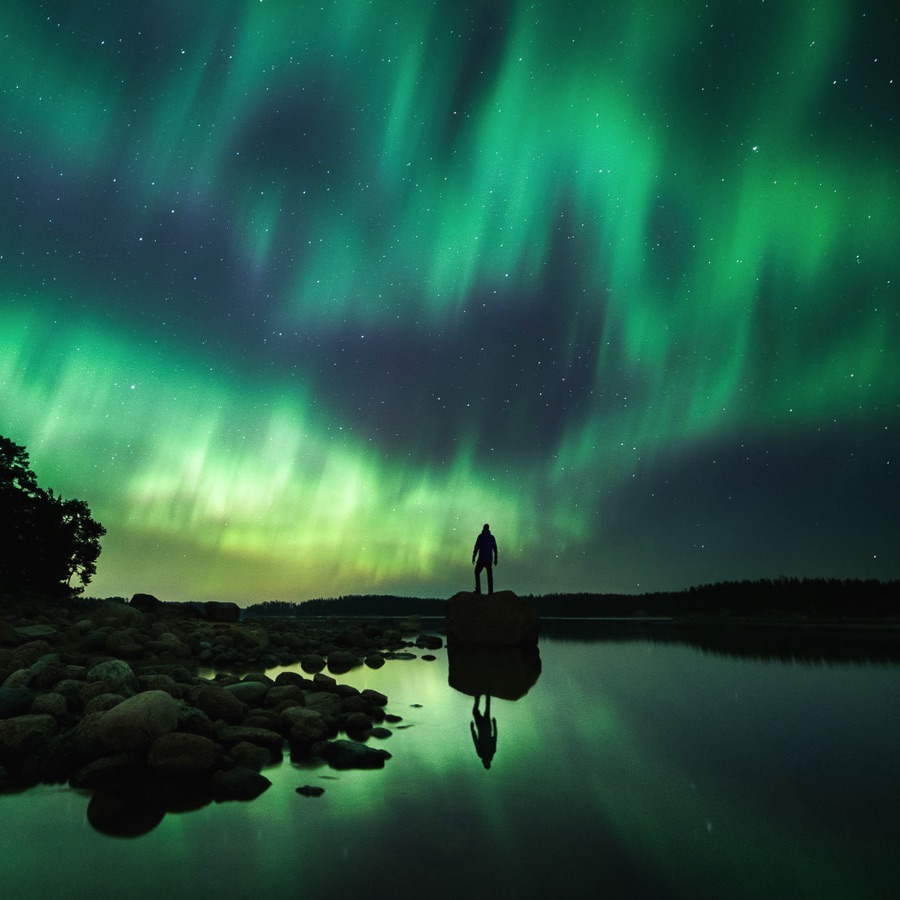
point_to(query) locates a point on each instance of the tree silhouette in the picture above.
(45, 541)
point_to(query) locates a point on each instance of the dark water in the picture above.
(632, 767)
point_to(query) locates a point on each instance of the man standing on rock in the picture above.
(485, 548)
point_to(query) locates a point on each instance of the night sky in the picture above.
(298, 295)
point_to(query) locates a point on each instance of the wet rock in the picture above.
(15, 700)
(312, 662)
(215, 611)
(306, 724)
(195, 721)
(229, 735)
(357, 723)
(341, 661)
(374, 660)
(328, 704)
(182, 754)
(284, 693)
(146, 603)
(138, 721)
(103, 702)
(374, 697)
(239, 783)
(310, 790)
(47, 632)
(121, 643)
(50, 704)
(26, 655)
(253, 693)
(351, 755)
(250, 756)
(160, 682)
(108, 771)
(217, 703)
(501, 619)
(117, 674)
(429, 642)
(26, 734)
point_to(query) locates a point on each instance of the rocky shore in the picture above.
(105, 696)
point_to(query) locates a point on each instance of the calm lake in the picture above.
(634, 766)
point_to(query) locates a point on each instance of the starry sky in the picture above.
(298, 295)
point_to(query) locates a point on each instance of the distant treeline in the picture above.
(813, 597)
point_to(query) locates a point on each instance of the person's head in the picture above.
(486, 527)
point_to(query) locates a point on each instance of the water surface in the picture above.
(633, 767)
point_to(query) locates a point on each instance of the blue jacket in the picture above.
(485, 547)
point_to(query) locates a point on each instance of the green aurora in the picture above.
(297, 296)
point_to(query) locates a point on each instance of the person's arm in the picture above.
(494, 542)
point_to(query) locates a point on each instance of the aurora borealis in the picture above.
(296, 296)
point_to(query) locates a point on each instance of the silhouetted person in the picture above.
(484, 732)
(486, 551)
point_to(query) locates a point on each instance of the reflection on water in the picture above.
(507, 673)
(484, 731)
(631, 765)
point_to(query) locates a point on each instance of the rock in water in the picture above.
(501, 620)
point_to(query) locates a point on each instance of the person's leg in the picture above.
(478, 567)
(490, 571)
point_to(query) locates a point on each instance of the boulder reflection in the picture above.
(507, 673)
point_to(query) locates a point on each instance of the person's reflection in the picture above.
(484, 731)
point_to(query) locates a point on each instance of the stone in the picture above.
(121, 643)
(108, 771)
(357, 723)
(103, 703)
(146, 603)
(217, 703)
(15, 700)
(501, 619)
(216, 611)
(48, 632)
(8, 633)
(182, 754)
(283, 693)
(26, 655)
(138, 721)
(328, 704)
(117, 674)
(340, 661)
(376, 698)
(250, 756)
(239, 783)
(312, 662)
(253, 693)
(374, 660)
(351, 755)
(310, 790)
(229, 735)
(50, 704)
(429, 642)
(305, 724)
(22, 735)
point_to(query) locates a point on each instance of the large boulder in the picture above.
(500, 620)
(216, 611)
(116, 674)
(180, 754)
(15, 700)
(138, 721)
(22, 735)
